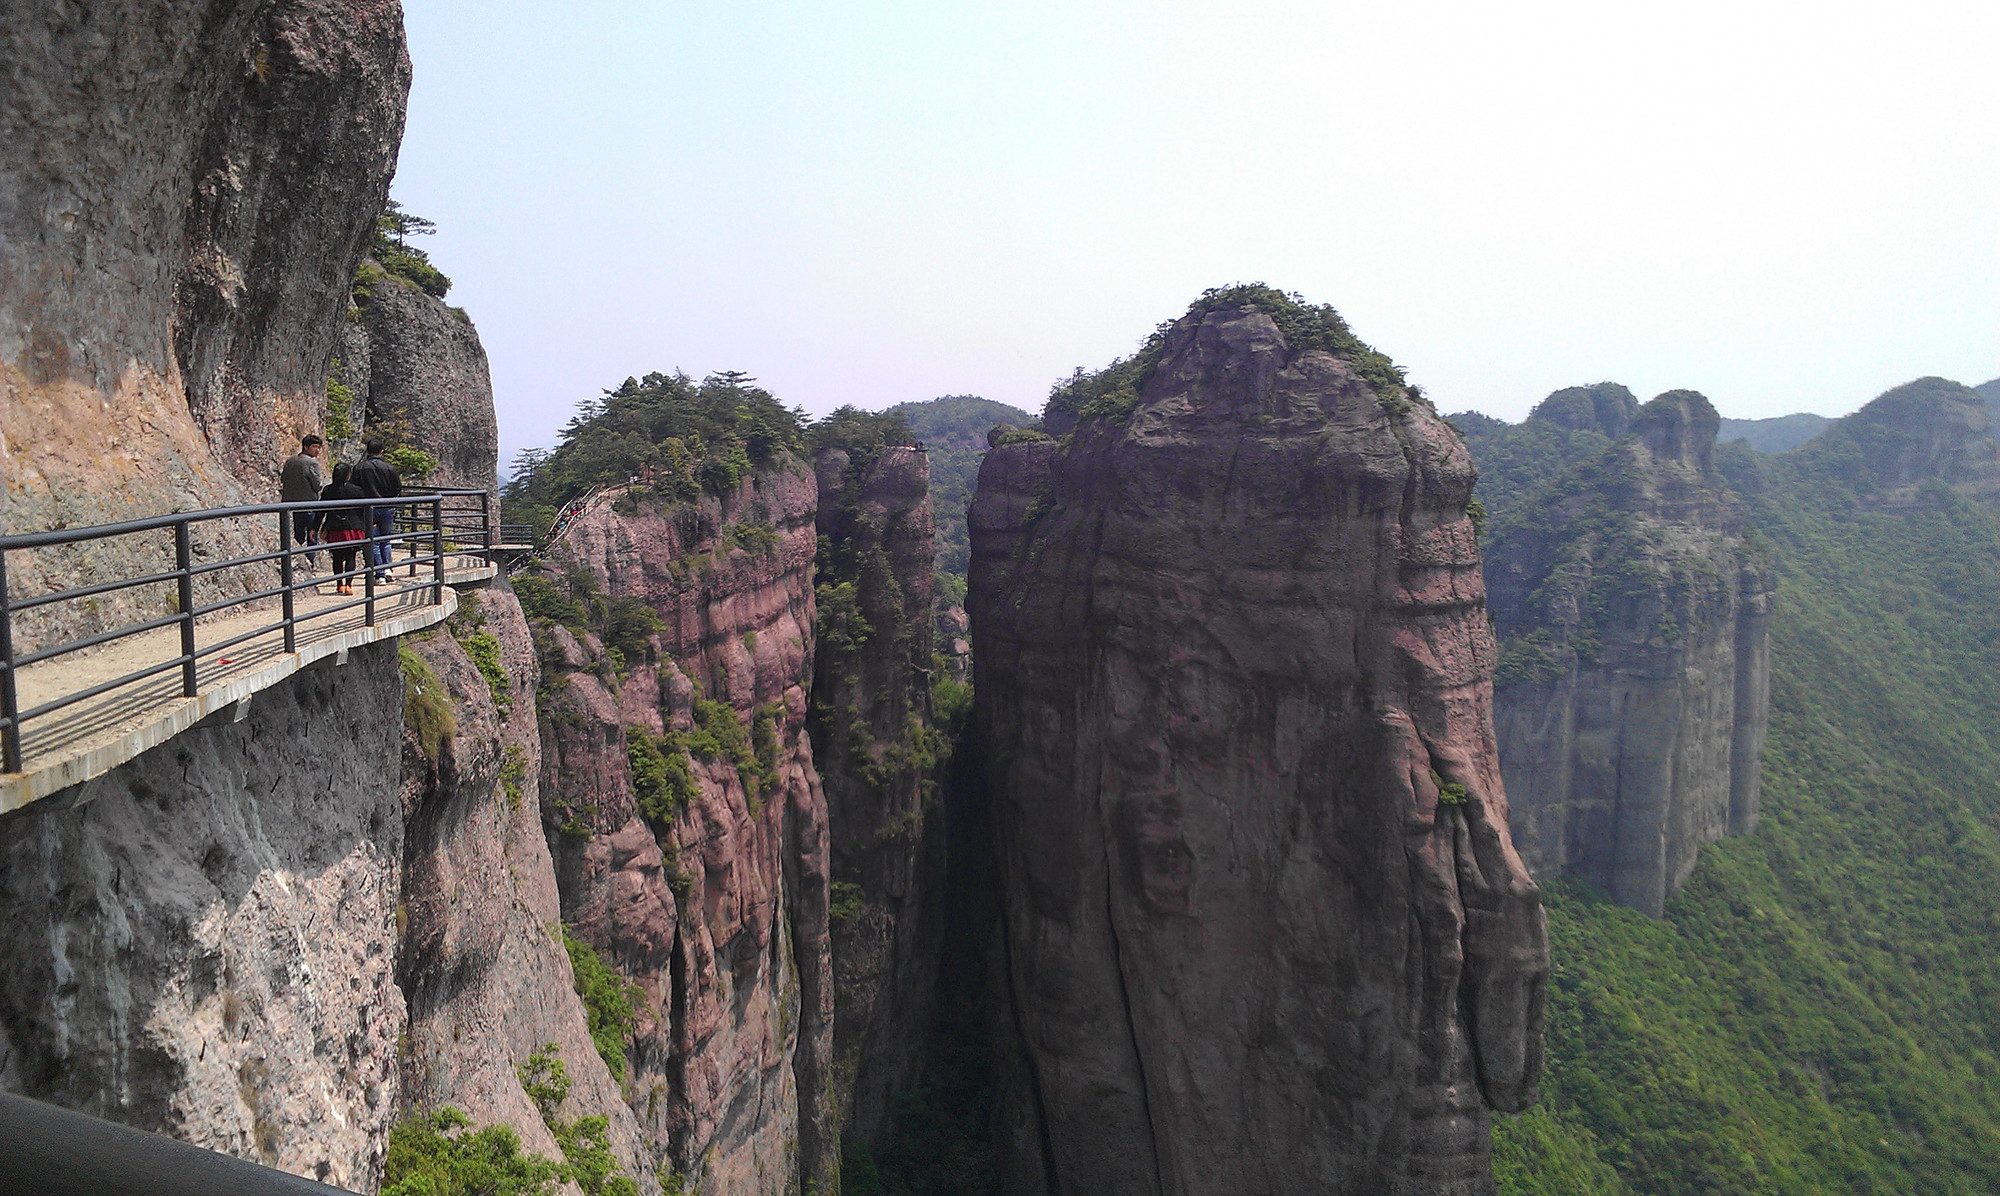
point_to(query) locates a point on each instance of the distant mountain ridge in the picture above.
(1779, 434)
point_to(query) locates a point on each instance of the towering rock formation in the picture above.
(687, 821)
(878, 759)
(1264, 927)
(1633, 688)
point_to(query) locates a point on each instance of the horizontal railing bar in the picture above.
(104, 687)
(154, 523)
(18, 605)
(102, 637)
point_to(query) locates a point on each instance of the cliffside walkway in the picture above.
(92, 675)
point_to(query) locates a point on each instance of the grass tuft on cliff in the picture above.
(1819, 1009)
(427, 708)
(610, 1002)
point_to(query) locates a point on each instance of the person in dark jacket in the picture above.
(300, 481)
(379, 479)
(344, 527)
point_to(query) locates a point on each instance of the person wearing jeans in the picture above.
(378, 479)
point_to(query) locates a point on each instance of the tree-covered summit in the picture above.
(1112, 392)
(683, 437)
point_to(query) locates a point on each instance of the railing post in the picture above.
(437, 546)
(10, 706)
(368, 577)
(184, 561)
(285, 579)
(486, 526)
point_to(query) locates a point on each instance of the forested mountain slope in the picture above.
(1819, 1008)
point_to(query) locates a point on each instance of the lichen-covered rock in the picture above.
(877, 755)
(712, 896)
(1265, 930)
(419, 378)
(482, 961)
(202, 942)
(1633, 690)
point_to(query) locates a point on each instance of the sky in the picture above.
(1788, 207)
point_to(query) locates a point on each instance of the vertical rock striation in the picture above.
(1264, 927)
(877, 756)
(1633, 689)
(704, 878)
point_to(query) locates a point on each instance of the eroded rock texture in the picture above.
(1928, 432)
(1633, 693)
(1265, 930)
(712, 897)
(877, 757)
(203, 942)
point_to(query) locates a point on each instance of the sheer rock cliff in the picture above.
(710, 888)
(1264, 927)
(877, 754)
(1634, 684)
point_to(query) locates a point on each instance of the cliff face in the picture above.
(687, 822)
(419, 378)
(877, 757)
(1264, 927)
(1633, 691)
(185, 190)
(203, 941)
(481, 960)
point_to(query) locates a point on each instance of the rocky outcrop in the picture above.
(418, 377)
(482, 964)
(202, 942)
(1633, 690)
(878, 757)
(1264, 927)
(185, 190)
(708, 886)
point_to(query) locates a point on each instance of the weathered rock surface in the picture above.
(1633, 691)
(419, 377)
(718, 907)
(203, 942)
(185, 190)
(1265, 930)
(482, 962)
(876, 753)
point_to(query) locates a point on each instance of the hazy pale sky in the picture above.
(1786, 206)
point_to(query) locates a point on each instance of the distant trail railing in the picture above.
(560, 524)
(432, 525)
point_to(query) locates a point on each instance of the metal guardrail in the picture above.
(557, 526)
(443, 522)
(52, 1151)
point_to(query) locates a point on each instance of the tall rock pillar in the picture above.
(1265, 930)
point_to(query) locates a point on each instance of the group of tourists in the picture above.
(346, 530)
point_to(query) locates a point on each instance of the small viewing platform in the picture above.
(206, 634)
